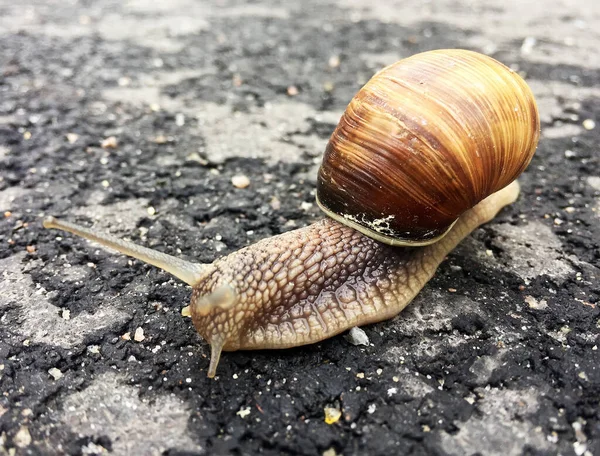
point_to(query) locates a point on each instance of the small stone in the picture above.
(22, 438)
(150, 210)
(93, 449)
(160, 139)
(332, 415)
(306, 206)
(126, 336)
(535, 304)
(330, 452)
(56, 373)
(186, 312)
(95, 349)
(589, 124)
(65, 314)
(528, 45)
(395, 379)
(391, 391)
(452, 290)
(109, 143)
(7, 214)
(105, 183)
(27, 135)
(426, 428)
(371, 409)
(357, 336)
(579, 448)
(570, 154)
(578, 428)
(240, 181)
(179, 119)
(379, 371)
(195, 157)
(360, 375)
(275, 203)
(72, 137)
(334, 61)
(558, 221)
(139, 335)
(292, 91)
(243, 412)
(30, 248)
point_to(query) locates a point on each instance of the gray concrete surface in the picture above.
(499, 353)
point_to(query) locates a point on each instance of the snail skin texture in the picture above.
(456, 121)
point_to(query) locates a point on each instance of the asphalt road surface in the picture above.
(134, 116)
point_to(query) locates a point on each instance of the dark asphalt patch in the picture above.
(441, 380)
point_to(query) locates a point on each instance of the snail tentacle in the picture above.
(216, 347)
(190, 273)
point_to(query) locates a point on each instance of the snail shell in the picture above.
(426, 139)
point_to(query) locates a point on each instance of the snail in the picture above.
(428, 150)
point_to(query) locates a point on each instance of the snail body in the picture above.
(309, 284)
(305, 285)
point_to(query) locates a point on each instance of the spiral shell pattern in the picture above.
(426, 139)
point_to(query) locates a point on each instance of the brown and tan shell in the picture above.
(426, 139)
